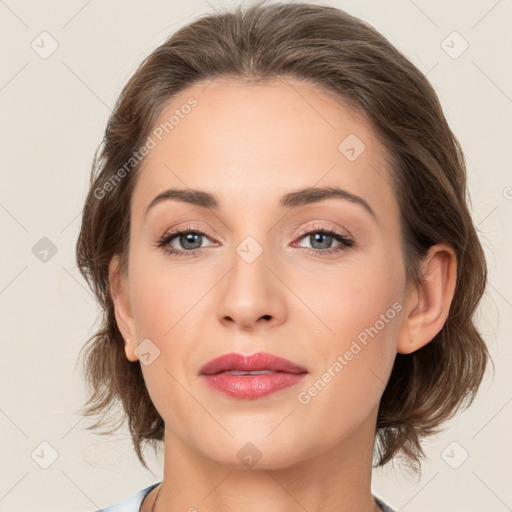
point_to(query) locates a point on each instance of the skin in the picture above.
(249, 145)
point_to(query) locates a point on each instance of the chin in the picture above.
(258, 452)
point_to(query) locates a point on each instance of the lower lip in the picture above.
(252, 386)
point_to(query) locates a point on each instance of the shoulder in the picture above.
(131, 503)
(382, 505)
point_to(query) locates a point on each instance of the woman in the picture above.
(278, 234)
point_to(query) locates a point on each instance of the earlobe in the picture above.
(129, 350)
(118, 286)
(428, 306)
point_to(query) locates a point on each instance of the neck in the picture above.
(334, 480)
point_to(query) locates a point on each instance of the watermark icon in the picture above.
(454, 455)
(249, 249)
(146, 352)
(304, 397)
(454, 45)
(249, 454)
(44, 455)
(351, 147)
(44, 250)
(507, 192)
(150, 143)
(44, 45)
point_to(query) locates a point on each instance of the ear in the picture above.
(428, 305)
(119, 291)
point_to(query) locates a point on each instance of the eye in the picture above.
(189, 238)
(321, 240)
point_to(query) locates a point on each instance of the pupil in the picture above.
(189, 238)
(318, 237)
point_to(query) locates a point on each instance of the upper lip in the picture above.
(248, 363)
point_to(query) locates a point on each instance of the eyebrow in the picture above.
(293, 199)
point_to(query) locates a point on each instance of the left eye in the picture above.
(321, 240)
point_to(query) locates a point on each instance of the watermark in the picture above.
(44, 250)
(44, 455)
(351, 147)
(146, 351)
(454, 455)
(249, 249)
(249, 454)
(44, 45)
(454, 45)
(150, 143)
(304, 397)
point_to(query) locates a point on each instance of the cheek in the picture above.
(151, 305)
(160, 298)
(162, 310)
(354, 296)
(362, 308)
(356, 362)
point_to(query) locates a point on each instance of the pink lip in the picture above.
(254, 362)
(285, 374)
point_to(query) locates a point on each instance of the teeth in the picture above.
(256, 372)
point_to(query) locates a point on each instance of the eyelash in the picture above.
(164, 241)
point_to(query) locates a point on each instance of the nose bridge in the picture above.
(250, 292)
(251, 243)
(249, 262)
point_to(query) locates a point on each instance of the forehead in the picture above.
(250, 143)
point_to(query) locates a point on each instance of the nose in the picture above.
(251, 296)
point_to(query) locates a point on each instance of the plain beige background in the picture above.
(54, 109)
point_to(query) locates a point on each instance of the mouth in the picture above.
(251, 377)
(255, 364)
(255, 372)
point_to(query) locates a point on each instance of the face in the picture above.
(315, 279)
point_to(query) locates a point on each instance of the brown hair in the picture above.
(330, 48)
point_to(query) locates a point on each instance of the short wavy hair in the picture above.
(329, 48)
